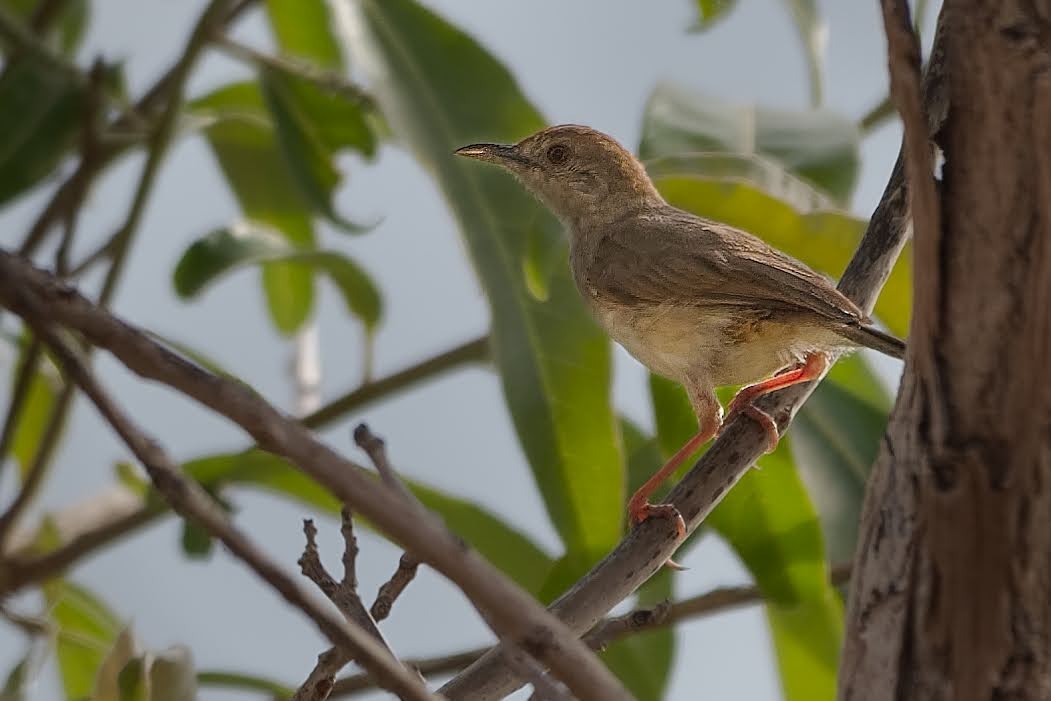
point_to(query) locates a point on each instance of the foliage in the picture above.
(279, 138)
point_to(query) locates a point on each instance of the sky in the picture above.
(590, 61)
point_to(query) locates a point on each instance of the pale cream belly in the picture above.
(678, 342)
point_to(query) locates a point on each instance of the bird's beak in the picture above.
(507, 156)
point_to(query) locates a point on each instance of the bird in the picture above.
(696, 301)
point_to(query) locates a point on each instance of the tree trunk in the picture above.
(951, 597)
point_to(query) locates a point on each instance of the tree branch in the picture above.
(512, 612)
(109, 524)
(191, 501)
(610, 630)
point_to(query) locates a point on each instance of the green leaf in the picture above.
(107, 679)
(242, 138)
(222, 251)
(36, 414)
(85, 631)
(770, 522)
(66, 29)
(439, 89)
(710, 12)
(18, 680)
(197, 543)
(338, 122)
(835, 440)
(811, 30)
(644, 661)
(133, 682)
(301, 28)
(308, 157)
(41, 109)
(498, 542)
(824, 240)
(820, 147)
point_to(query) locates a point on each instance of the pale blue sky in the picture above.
(593, 63)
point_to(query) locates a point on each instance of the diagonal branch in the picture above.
(191, 501)
(509, 610)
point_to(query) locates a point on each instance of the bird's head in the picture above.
(582, 175)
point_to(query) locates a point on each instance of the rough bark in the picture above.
(952, 593)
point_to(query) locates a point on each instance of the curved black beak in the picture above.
(494, 153)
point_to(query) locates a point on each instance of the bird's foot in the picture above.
(765, 421)
(640, 511)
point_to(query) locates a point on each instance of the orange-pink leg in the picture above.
(812, 367)
(708, 413)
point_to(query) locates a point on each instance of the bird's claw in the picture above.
(641, 512)
(765, 421)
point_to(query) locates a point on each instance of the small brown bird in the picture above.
(699, 302)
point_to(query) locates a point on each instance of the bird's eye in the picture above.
(558, 154)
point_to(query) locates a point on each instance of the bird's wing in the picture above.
(674, 257)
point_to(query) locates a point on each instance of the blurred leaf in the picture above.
(818, 146)
(197, 543)
(133, 682)
(812, 34)
(824, 240)
(440, 90)
(172, 675)
(302, 28)
(41, 108)
(85, 631)
(107, 679)
(309, 160)
(769, 521)
(18, 680)
(36, 414)
(224, 250)
(66, 29)
(499, 543)
(835, 440)
(242, 138)
(643, 661)
(337, 121)
(709, 12)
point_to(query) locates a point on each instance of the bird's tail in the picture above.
(877, 340)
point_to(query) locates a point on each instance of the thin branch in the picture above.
(473, 351)
(26, 568)
(509, 610)
(350, 548)
(191, 501)
(327, 80)
(393, 588)
(609, 631)
(318, 684)
(19, 38)
(544, 687)
(69, 195)
(877, 116)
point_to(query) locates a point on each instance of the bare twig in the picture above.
(392, 588)
(632, 622)
(350, 548)
(27, 568)
(191, 501)
(609, 631)
(544, 687)
(325, 79)
(376, 449)
(318, 684)
(30, 625)
(512, 612)
(476, 350)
